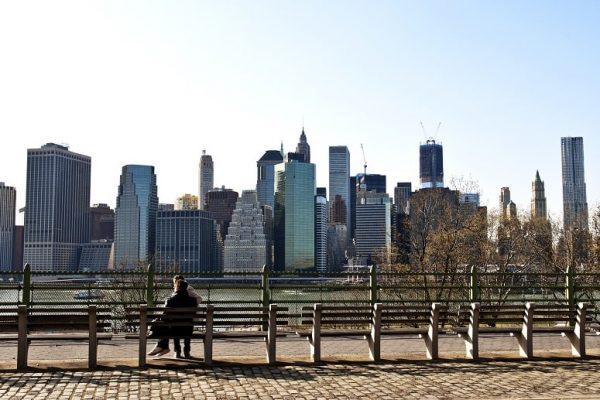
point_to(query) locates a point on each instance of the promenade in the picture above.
(58, 372)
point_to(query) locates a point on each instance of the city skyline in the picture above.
(155, 85)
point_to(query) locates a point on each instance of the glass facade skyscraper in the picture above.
(135, 216)
(339, 178)
(8, 197)
(294, 219)
(431, 165)
(186, 241)
(265, 182)
(575, 207)
(57, 205)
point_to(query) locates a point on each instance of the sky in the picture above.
(157, 82)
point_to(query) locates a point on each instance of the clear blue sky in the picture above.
(155, 82)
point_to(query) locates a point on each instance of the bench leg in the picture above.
(272, 335)
(93, 341)
(577, 337)
(525, 338)
(472, 336)
(22, 344)
(374, 339)
(315, 340)
(208, 335)
(143, 337)
(431, 339)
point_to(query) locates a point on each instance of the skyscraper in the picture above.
(373, 225)
(321, 232)
(8, 197)
(102, 222)
(265, 182)
(294, 217)
(303, 147)
(575, 208)
(221, 203)
(186, 241)
(246, 243)
(508, 209)
(57, 205)
(339, 178)
(431, 165)
(538, 198)
(135, 216)
(371, 183)
(402, 193)
(207, 178)
(186, 202)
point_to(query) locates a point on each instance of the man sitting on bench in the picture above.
(179, 298)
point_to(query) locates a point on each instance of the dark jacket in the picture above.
(181, 299)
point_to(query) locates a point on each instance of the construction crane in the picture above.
(364, 159)
(425, 131)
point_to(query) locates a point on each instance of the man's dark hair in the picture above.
(180, 285)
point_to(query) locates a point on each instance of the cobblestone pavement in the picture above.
(58, 372)
(412, 380)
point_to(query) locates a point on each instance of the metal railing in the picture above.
(131, 287)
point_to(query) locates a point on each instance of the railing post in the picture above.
(570, 286)
(265, 293)
(374, 290)
(474, 294)
(150, 286)
(264, 286)
(26, 285)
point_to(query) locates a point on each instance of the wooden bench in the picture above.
(335, 321)
(521, 321)
(414, 320)
(370, 323)
(62, 324)
(210, 322)
(9, 322)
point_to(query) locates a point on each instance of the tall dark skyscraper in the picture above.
(575, 207)
(57, 204)
(303, 147)
(431, 165)
(339, 179)
(135, 216)
(402, 193)
(221, 203)
(265, 182)
(371, 183)
(102, 222)
(8, 197)
(207, 178)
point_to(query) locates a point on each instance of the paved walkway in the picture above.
(59, 372)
